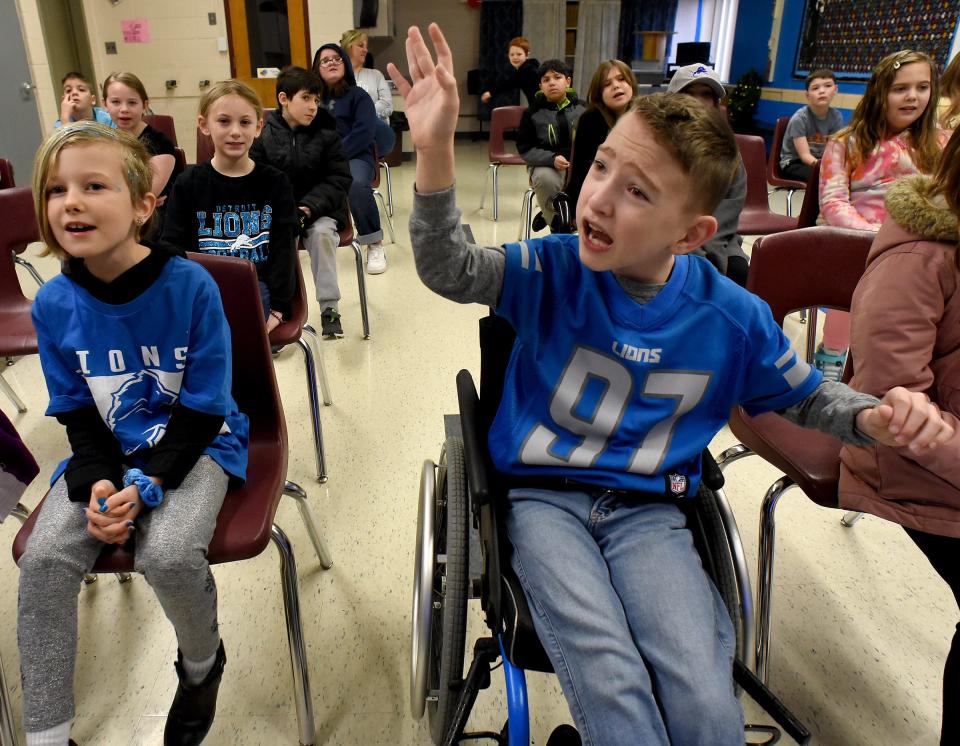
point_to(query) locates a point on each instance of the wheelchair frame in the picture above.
(464, 487)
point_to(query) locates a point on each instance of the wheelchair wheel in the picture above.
(440, 589)
(717, 558)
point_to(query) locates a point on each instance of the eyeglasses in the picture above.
(330, 61)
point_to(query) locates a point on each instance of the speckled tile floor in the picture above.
(861, 623)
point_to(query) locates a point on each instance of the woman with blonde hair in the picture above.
(906, 332)
(354, 44)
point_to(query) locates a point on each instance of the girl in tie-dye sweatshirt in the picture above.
(893, 133)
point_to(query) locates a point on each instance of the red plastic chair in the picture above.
(387, 211)
(6, 174)
(810, 207)
(204, 147)
(163, 123)
(756, 218)
(503, 119)
(246, 522)
(291, 332)
(774, 178)
(17, 335)
(804, 268)
(348, 237)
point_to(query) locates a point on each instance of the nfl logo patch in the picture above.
(678, 484)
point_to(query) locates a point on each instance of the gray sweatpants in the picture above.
(546, 182)
(171, 551)
(321, 241)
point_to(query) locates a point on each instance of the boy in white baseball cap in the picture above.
(724, 249)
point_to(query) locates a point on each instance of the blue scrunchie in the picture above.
(150, 493)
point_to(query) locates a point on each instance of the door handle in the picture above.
(26, 90)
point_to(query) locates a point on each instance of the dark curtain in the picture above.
(500, 21)
(644, 15)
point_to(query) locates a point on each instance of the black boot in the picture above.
(194, 705)
(564, 735)
(538, 223)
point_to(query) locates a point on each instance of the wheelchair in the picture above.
(462, 552)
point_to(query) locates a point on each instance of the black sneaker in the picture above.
(330, 323)
(564, 735)
(539, 222)
(194, 705)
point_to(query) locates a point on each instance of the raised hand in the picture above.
(906, 419)
(431, 99)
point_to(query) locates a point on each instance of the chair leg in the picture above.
(295, 641)
(483, 192)
(362, 287)
(850, 518)
(803, 315)
(21, 513)
(7, 389)
(526, 215)
(8, 736)
(29, 267)
(386, 171)
(383, 206)
(768, 531)
(790, 193)
(124, 577)
(314, 399)
(496, 191)
(748, 627)
(811, 335)
(321, 365)
(294, 490)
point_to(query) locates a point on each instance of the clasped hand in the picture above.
(905, 419)
(112, 520)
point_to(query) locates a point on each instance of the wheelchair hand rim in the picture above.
(422, 592)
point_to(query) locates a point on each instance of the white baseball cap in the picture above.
(696, 73)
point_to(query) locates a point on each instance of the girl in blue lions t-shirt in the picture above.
(135, 351)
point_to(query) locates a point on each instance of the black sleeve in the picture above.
(284, 229)
(526, 134)
(158, 143)
(589, 136)
(188, 434)
(179, 223)
(329, 193)
(96, 453)
(258, 152)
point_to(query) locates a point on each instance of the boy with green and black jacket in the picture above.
(545, 136)
(301, 139)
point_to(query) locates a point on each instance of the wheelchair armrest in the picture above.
(711, 475)
(474, 438)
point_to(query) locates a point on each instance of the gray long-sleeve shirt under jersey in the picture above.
(456, 269)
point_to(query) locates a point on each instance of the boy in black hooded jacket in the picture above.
(301, 139)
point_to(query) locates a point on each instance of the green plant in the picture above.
(743, 100)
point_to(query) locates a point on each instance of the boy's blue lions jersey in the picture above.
(604, 390)
(135, 360)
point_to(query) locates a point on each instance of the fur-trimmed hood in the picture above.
(908, 202)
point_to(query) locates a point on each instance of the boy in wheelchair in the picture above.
(630, 353)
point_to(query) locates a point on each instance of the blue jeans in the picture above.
(264, 299)
(362, 204)
(636, 631)
(384, 138)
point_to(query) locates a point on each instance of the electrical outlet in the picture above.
(212, 19)
(111, 47)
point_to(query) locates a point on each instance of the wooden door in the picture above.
(266, 34)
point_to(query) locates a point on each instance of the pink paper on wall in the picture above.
(136, 31)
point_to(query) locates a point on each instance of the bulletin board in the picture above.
(851, 36)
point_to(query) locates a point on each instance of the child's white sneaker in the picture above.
(376, 259)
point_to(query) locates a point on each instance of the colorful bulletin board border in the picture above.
(851, 36)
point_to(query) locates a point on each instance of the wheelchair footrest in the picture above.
(770, 704)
